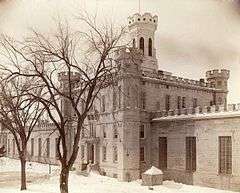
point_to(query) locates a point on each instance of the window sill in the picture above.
(190, 172)
(225, 175)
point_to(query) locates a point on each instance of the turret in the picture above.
(63, 78)
(66, 107)
(142, 30)
(219, 80)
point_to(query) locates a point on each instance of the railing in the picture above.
(197, 110)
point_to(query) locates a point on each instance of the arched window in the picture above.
(142, 44)
(134, 43)
(150, 47)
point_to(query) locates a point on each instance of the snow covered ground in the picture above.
(13, 165)
(93, 183)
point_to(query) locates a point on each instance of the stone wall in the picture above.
(207, 131)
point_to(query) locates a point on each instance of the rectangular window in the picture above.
(119, 97)
(114, 99)
(142, 154)
(13, 142)
(127, 97)
(167, 102)
(115, 131)
(191, 154)
(91, 132)
(163, 153)
(104, 132)
(142, 132)
(183, 102)
(104, 153)
(157, 105)
(82, 151)
(56, 148)
(195, 103)
(39, 147)
(179, 100)
(225, 155)
(115, 154)
(143, 100)
(103, 103)
(48, 147)
(32, 146)
(9, 146)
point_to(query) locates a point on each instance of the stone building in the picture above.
(137, 125)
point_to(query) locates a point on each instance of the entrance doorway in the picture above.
(91, 153)
(162, 153)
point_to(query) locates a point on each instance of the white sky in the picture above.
(193, 36)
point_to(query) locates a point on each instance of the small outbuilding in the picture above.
(151, 177)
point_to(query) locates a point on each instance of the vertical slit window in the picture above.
(150, 47)
(142, 44)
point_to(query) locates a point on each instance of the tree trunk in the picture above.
(23, 174)
(64, 180)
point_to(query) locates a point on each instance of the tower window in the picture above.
(104, 153)
(134, 43)
(150, 47)
(138, 19)
(142, 132)
(142, 44)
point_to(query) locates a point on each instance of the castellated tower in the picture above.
(63, 78)
(142, 30)
(129, 114)
(219, 80)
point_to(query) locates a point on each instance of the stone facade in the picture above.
(122, 140)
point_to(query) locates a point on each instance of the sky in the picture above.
(193, 36)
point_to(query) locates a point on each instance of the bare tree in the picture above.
(19, 114)
(83, 64)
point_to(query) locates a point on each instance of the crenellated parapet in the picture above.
(145, 18)
(218, 74)
(197, 111)
(175, 79)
